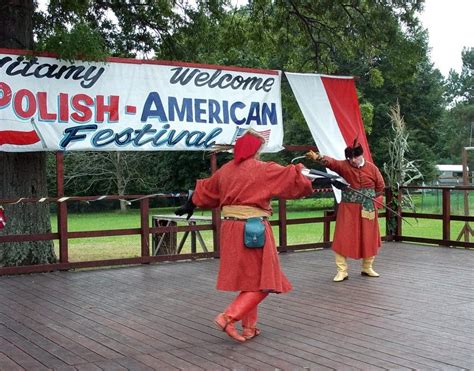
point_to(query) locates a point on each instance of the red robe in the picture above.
(250, 183)
(356, 237)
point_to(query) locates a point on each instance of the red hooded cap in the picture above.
(247, 146)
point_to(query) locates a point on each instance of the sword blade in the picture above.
(297, 158)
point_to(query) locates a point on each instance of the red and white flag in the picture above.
(331, 109)
(19, 138)
(25, 136)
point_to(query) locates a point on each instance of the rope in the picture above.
(98, 198)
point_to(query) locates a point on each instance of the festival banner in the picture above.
(48, 104)
(331, 110)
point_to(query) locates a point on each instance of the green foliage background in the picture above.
(382, 43)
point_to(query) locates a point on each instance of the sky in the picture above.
(450, 27)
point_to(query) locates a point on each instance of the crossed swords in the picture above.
(340, 183)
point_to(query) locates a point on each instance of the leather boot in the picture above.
(341, 265)
(249, 324)
(367, 267)
(243, 304)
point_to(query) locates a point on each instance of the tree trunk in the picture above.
(16, 24)
(23, 174)
(121, 184)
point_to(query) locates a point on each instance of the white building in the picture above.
(450, 174)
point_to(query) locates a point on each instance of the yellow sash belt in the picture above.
(243, 212)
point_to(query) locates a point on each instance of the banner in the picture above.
(131, 105)
(331, 110)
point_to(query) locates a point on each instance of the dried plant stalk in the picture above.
(399, 171)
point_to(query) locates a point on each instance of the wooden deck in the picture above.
(418, 315)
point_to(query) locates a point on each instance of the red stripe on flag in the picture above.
(20, 138)
(343, 99)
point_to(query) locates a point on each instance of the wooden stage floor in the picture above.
(418, 315)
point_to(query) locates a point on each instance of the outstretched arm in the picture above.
(287, 182)
(315, 156)
(327, 161)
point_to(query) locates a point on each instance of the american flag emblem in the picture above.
(241, 131)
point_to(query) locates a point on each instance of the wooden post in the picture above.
(282, 225)
(446, 214)
(327, 226)
(388, 214)
(61, 209)
(466, 230)
(465, 181)
(398, 232)
(145, 227)
(166, 243)
(216, 215)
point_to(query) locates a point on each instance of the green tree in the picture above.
(456, 128)
(419, 90)
(381, 42)
(328, 37)
(460, 86)
(104, 173)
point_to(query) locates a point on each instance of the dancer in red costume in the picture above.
(357, 234)
(243, 188)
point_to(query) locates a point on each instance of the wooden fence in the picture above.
(446, 217)
(146, 231)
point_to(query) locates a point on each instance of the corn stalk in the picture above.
(398, 170)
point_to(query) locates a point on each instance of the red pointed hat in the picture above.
(247, 146)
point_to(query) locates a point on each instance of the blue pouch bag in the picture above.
(254, 233)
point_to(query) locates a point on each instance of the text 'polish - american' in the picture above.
(82, 108)
(129, 105)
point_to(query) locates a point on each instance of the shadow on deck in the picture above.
(418, 315)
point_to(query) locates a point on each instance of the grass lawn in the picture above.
(84, 249)
(431, 202)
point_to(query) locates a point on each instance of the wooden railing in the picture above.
(446, 217)
(63, 236)
(145, 231)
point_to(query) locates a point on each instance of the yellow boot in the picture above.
(341, 265)
(367, 267)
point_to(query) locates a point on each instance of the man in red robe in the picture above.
(357, 232)
(243, 189)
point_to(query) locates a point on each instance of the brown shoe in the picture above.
(227, 324)
(250, 332)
